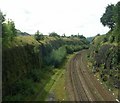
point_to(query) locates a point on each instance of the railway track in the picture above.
(83, 86)
(78, 89)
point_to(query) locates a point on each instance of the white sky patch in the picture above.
(61, 16)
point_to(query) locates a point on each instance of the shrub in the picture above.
(22, 87)
(69, 49)
(58, 55)
(34, 74)
(105, 78)
(111, 39)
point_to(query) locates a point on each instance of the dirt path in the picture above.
(82, 85)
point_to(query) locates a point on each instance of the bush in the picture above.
(69, 49)
(22, 87)
(34, 74)
(57, 56)
(111, 39)
(105, 78)
(105, 39)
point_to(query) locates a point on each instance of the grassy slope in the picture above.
(19, 58)
(97, 44)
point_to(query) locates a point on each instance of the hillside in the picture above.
(25, 60)
(105, 58)
(59, 68)
(104, 55)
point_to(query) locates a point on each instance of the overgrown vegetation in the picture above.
(111, 18)
(28, 61)
(57, 56)
(104, 51)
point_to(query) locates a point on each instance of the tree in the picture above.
(8, 30)
(2, 17)
(117, 14)
(38, 36)
(107, 18)
(81, 37)
(11, 26)
(54, 34)
(117, 21)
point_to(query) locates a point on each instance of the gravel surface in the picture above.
(82, 85)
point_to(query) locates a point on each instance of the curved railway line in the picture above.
(82, 85)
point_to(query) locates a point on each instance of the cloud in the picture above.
(61, 16)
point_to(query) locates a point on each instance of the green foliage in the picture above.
(74, 48)
(37, 49)
(8, 31)
(105, 39)
(24, 54)
(20, 89)
(105, 78)
(111, 18)
(69, 49)
(117, 20)
(107, 18)
(57, 56)
(54, 34)
(34, 74)
(38, 36)
(111, 39)
(2, 17)
(117, 13)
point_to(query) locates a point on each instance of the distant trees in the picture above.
(78, 36)
(38, 36)
(54, 34)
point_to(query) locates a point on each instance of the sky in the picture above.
(60, 16)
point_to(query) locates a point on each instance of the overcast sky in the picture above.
(61, 16)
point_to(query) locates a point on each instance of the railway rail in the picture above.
(83, 86)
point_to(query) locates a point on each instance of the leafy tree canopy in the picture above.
(54, 34)
(117, 14)
(107, 18)
(8, 30)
